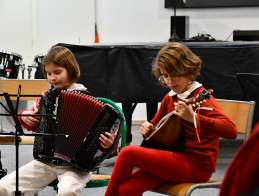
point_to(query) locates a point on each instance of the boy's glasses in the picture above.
(165, 80)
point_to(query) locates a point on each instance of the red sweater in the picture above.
(213, 124)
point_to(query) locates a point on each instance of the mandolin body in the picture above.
(167, 131)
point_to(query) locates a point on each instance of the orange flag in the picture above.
(96, 40)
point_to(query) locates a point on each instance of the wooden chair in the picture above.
(10, 86)
(11, 140)
(241, 113)
(29, 87)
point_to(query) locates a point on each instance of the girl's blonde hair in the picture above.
(62, 57)
(177, 60)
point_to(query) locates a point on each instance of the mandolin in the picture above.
(168, 130)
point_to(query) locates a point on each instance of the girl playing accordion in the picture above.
(61, 70)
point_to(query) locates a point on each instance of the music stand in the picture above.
(12, 111)
(249, 83)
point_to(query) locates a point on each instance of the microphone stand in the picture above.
(174, 37)
(19, 131)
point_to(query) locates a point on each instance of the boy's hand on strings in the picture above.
(30, 120)
(145, 128)
(107, 139)
(184, 111)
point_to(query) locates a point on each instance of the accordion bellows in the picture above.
(83, 118)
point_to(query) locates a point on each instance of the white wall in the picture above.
(132, 21)
(15, 30)
(31, 27)
(65, 21)
(149, 21)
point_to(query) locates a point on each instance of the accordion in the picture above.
(82, 118)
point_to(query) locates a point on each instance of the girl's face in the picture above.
(177, 84)
(57, 76)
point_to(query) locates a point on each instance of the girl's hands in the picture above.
(145, 128)
(30, 120)
(107, 139)
(184, 111)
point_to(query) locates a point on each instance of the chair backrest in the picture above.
(240, 112)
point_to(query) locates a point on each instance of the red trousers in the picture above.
(154, 168)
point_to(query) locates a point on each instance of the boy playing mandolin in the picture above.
(177, 68)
